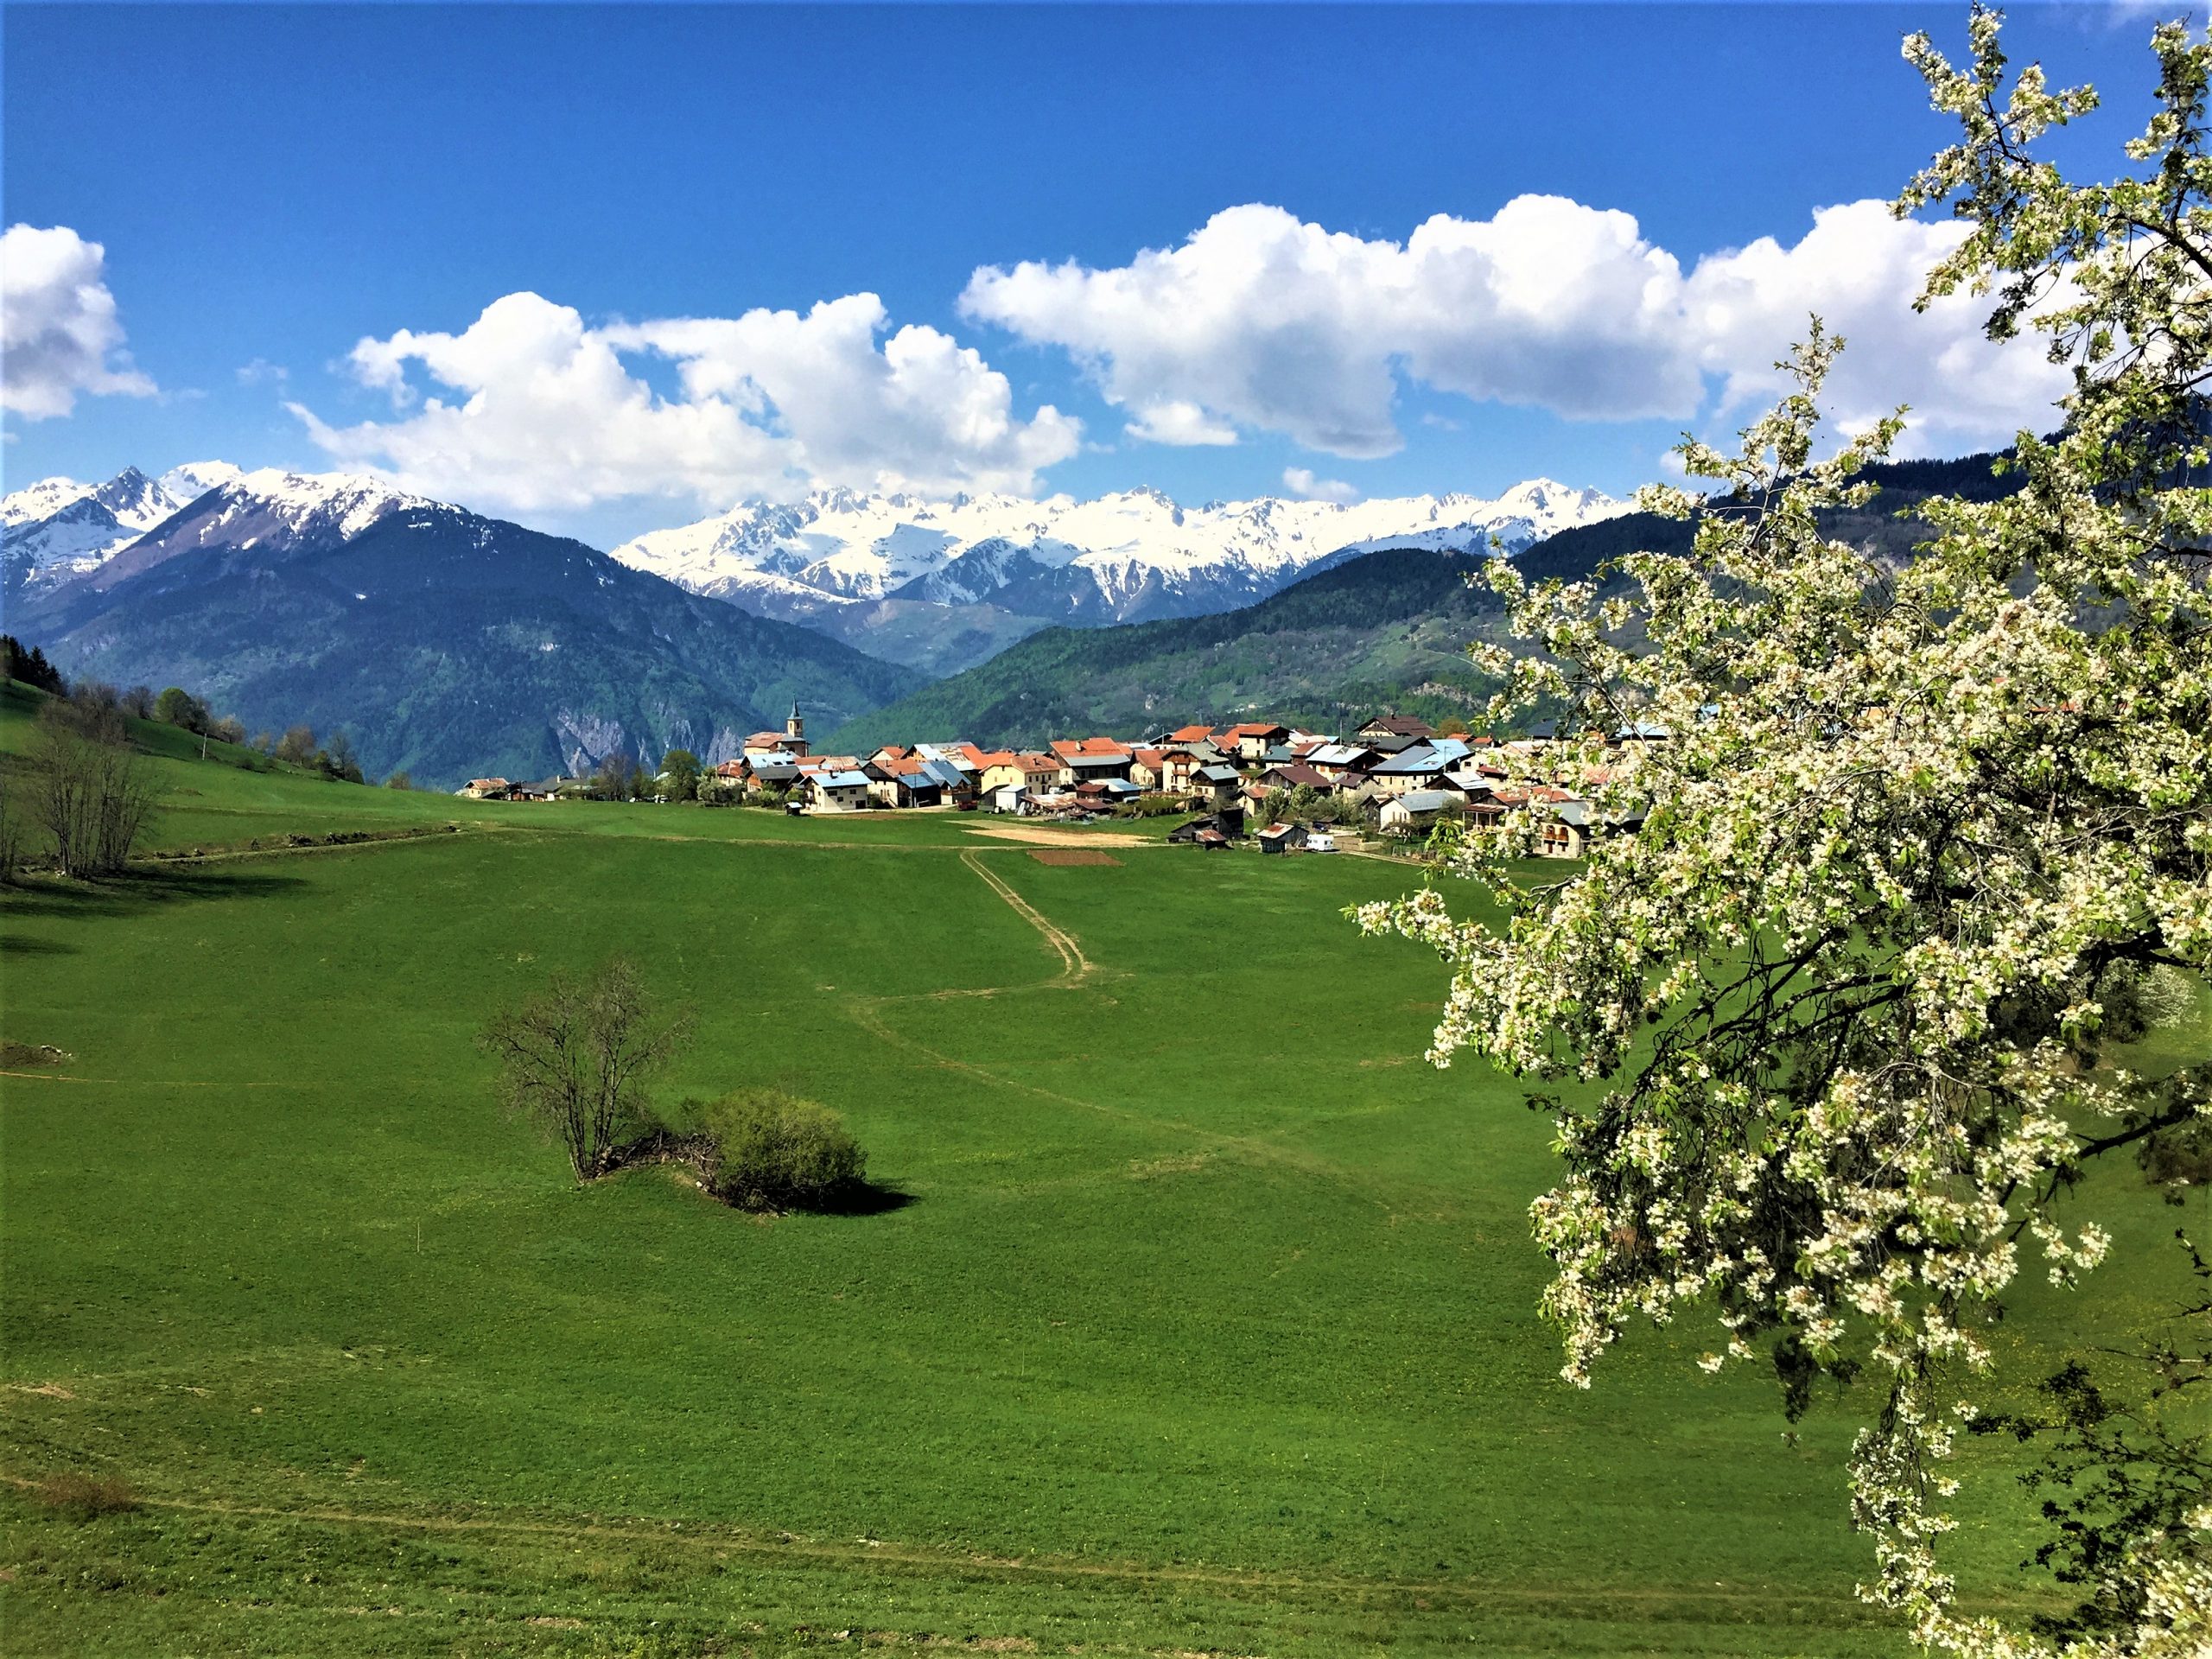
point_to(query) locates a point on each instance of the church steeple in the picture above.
(795, 731)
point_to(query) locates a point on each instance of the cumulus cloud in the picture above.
(1261, 320)
(60, 335)
(1301, 482)
(546, 412)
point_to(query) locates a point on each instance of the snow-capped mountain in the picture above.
(442, 641)
(1130, 556)
(270, 509)
(57, 528)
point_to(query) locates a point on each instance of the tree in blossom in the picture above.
(1828, 1043)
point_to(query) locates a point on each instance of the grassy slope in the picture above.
(1209, 1325)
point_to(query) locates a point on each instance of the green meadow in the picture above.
(1197, 1314)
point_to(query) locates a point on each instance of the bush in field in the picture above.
(775, 1151)
(85, 1497)
(715, 790)
(1152, 806)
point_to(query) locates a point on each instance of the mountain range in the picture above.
(58, 528)
(1384, 633)
(943, 585)
(445, 643)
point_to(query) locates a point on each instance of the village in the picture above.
(1283, 788)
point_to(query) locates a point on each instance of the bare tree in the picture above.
(575, 1059)
(297, 744)
(89, 790)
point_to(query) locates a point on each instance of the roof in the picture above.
(1399, 725)
(1425, 800)
(1339, 754)
(1295, 774)
(765, 740)
(1219, 774)
(1072, 747)
(1273, 831)
(841, 780)
(1189, 735)
(775, 772)
(1255, 728)
(943, 772)
(487, 783)
(1420, 759)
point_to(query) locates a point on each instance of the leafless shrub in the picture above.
(89, 790)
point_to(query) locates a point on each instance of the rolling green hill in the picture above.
(1222, 1343)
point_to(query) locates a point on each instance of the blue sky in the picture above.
(272, 184)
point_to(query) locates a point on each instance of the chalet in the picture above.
(487, 789)
(1422, 767)
(1145, 767)
(829, 789)
(1283, 838)
(1416, 809)
(963, 759)
(1249, 741)
(1340, 762)
(1088, 757)
(546, 788)
(1388, 726)
(1219, 783)
(1296, 775)
(773, 774)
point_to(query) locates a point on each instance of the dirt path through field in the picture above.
(1075, 966)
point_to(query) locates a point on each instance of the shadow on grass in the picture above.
(133, 894)
(861, 1198)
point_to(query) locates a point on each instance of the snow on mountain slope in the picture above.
(189, 482)
(271, 509)
(58, 528)
(40, 500)
(1121, 557)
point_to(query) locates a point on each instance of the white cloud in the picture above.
(1179, 422)
(60, 335)
(550, 415)
(1261, 320)
(1301, 482)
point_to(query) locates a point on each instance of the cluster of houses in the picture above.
(1395, 772)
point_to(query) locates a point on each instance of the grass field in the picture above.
(1201, 1318)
